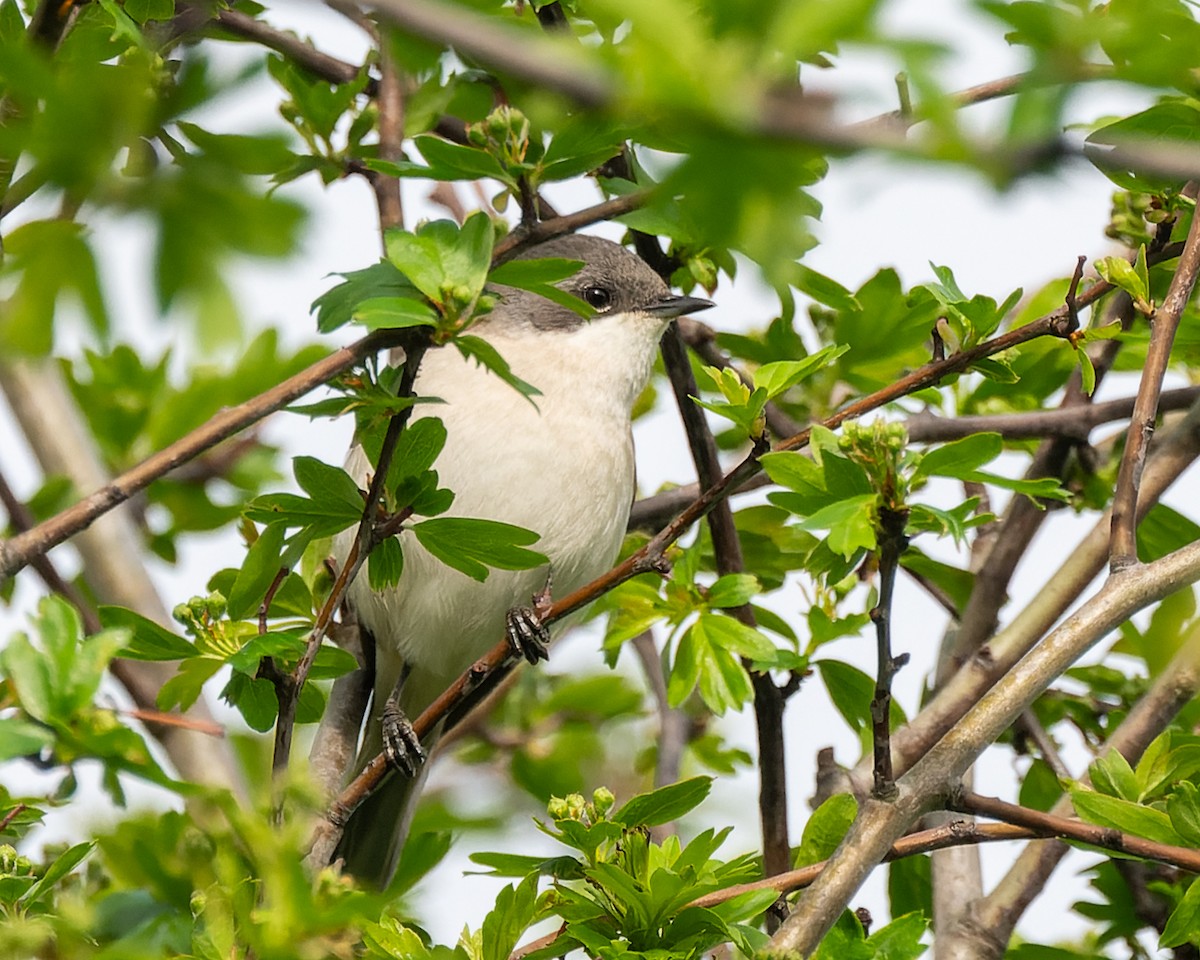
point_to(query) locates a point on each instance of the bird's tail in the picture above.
(375, 833)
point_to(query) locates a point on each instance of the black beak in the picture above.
(670, 307)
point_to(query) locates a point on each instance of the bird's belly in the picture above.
(438, 620)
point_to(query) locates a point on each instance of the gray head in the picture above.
(612, 280)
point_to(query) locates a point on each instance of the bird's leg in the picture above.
(400, 740)
(527, 634)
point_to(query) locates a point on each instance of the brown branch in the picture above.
(290, 46)
(727, 550)
(952, 834)
(673, 723)
(390, 102)
(984, 932)
(1186, 858)
(1023, 518)
(18, 551)
(366, 539)
(530, 57)
(1164, 323)
(529, 234)
(892, 542)
(20, 518)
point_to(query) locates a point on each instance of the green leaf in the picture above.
(20, 738)
(35, 253)
(148, 640)
(471, 545)
(388, 313)
(540, 277)
(727, 633)
(255, 699)
(1183, 807)
(59, 678)
(900, 939)
(825, 829)
(1124, 815)
(777, 377)
(486, 354)
(664, 804)
(733, 590)
(471, 256)
(62, 865)
(960, 457)
(1183, 926)
(416, 449)
(508, 919)
(258, 572)
(850, 522)
(1121, 273)
(327, 483)
(419, 258)
(386, 564)
(453, 161)
(823, 289)
(1111, 774)
(1087, 372)
(850, 690)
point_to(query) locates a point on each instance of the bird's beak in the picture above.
(670, 307)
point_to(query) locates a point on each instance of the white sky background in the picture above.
(877, 213)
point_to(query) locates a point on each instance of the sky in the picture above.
(877, 213)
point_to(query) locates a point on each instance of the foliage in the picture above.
(687, 121)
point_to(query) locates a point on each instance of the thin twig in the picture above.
(20, 518)
(892, 542)
(390, 102)
(364, 541)
(1123, 551)
(727, 551)
(18, 551)
(1186, 858)
(984, 932)
(926, 785)
(529, 234)
(953, 834)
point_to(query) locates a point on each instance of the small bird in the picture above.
(562, 466)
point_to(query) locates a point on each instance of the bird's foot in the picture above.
(400, 741)
(527, 634)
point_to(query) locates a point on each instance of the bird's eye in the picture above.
(597, 298)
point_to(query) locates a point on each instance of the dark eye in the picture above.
(597, 298)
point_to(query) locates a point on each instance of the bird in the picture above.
(561, 466)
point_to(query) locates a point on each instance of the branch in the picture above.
(651, 513)
(984, 932)
(727, 550)
(673, 723)
(390, 102)
(1164, 323)
(112, 567)
(892, 542)
(16, 552)
(952, 834)
(290, 46)
(879, 825)
(529, 234)
(1185, 858)
(1063, 587)
(780, 114)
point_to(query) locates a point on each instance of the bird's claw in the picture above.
(527, 634)
(400, 741)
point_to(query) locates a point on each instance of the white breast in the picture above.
(563, 469)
